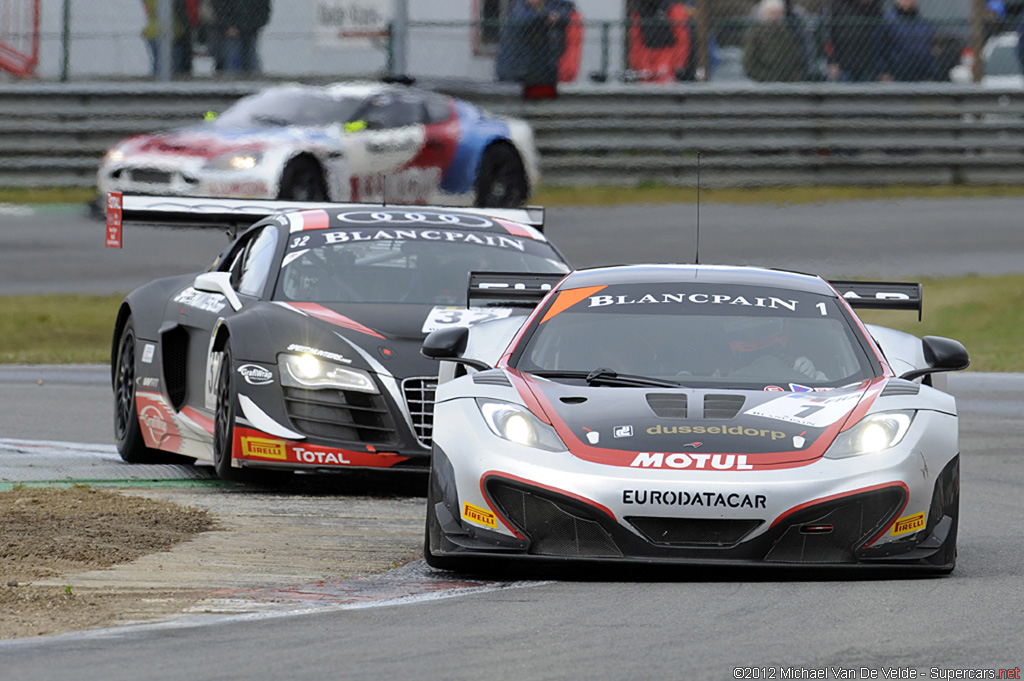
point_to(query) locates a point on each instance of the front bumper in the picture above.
(163, 178)
(897, 509)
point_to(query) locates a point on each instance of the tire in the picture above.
(432, 533)
(131, 444)
(224, 421)
(501, 181)
(302, 180)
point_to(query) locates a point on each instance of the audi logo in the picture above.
(376, 217)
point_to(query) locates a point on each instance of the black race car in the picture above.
(298, 347)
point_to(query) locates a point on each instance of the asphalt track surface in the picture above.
(599, 623)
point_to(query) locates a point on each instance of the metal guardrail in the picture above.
(801, 134)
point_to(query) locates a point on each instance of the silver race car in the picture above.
(696, 414)
(355, 142)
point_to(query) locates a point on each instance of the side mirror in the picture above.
(941, 354)
(449, 344)
(218, 282)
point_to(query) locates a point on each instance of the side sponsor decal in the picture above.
(479, 515)
(716, 430)
(257, 445)
(156, 419)
(256, 375)
(442, 317)
(622, 431)
(642, 497)
(908, 524)
(323, 354)
(718, 462)
(263, 448)
(147, 353)
(208, 302)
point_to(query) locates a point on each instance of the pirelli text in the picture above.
(840, 672)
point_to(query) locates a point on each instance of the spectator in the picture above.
(533, 39)
(181, 42)
(855, 37)
(659, 40)
(236, 27)
(909, 54)
(771, 50)
(569, 63)
(993, 19)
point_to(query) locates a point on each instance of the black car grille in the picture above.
(340, 415)
(150, 175)
(831, 533)
(553, 527)
(715, 532)
(419, 398)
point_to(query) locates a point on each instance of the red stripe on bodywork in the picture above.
(331, 317)
(538, 403)
(315, 219)
(201, 420)
(514, 228)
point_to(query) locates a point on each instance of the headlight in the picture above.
(872, 434)
(240, 160)
(310, 372)
(113, 156)
(517, 424)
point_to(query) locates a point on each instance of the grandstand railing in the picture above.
(750, 135)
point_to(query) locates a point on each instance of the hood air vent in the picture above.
(492, 377)
(722, 406)
(668, 405)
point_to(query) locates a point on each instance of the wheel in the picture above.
(432, 533)
(131, 444)
(224, 421)
(501, 182)
(302, 180)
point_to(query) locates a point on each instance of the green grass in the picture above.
(985, 313)
(645, 192)
(57, 329)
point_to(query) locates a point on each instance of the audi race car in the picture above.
(298, 349)
(696, 414)
(358, 142)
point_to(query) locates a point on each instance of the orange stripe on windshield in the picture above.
(568, 298)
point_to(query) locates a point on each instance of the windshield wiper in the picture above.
(606, 376)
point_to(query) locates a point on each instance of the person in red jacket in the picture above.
(569, 63)
(659, 39)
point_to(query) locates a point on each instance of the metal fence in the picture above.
(777, 134)
(604, 41)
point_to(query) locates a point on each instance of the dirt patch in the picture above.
(79, 558)
(46, 533)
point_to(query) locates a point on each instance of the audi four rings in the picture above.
(298, 348)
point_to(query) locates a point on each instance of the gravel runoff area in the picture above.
(81, 557)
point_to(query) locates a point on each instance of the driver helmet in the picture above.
(753, 335)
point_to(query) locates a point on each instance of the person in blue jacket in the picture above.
(532, 41)
(909, 44)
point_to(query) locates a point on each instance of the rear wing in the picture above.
(235, 214)
(881, 295)
(518, 289)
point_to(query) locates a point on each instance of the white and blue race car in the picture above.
(355, 142)
(696, 414)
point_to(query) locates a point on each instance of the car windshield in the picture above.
(291, 107)
(416, 265)
(696, 335)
